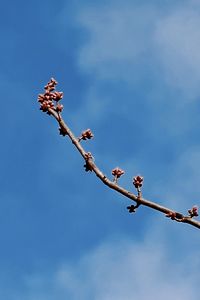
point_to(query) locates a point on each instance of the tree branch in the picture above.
(47, 105)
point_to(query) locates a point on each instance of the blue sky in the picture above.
(130, 71)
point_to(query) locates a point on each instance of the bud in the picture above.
(87, 134)
(59, 107)
(138, 181)
(117, 172)
(193, 212)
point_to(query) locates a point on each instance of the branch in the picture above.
(49, 104)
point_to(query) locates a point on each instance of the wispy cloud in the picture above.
(118, 36)
(127, 42)
(116, 270)
(177, 40)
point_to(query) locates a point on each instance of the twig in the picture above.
(55, 111)
(111, 184)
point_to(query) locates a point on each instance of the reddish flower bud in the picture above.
(171, 214)
(49, 88)
(138, 181)
(174, 215)
(59, 107)
(62, 131)
(51, 85)
(56, 96)
(53, 81)
(88, 157)
(45, 105)
(117, 172)
(87, 134)
(41, 98)
(193, 212)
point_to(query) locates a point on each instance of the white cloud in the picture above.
(118, 35)
(177, 39)
(117, 270)
(126, 41)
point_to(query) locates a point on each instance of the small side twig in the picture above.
(132, 208)
(117, 173)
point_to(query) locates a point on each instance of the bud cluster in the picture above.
(50, 98)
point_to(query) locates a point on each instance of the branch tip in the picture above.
(50, 96)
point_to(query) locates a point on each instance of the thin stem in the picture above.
(93, 167)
